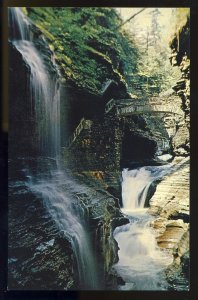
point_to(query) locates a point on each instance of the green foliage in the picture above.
(154, 71)
(91, 48)
(87, 45)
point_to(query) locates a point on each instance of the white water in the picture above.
(56, 192)
(53, 188)
(141, 261)
(18, 24)
(44, 92)
(44, 99)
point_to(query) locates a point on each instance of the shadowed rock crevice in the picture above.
(136, 148)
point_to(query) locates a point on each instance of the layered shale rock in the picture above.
(40, 257)
(181, 57)
(175, 123)
(172, 193)
(110, 143)
(102, 211)
(170, 205)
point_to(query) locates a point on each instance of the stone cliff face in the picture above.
(39, 255)
(106, 145)
(181, 57)
(97, 152)
(102, 212)
(101, 209)
(175, 124)
(110, 143)
(170, 203)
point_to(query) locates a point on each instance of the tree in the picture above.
(154, 72)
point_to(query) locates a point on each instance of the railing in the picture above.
(163, 143)
(132, 109)
(147, 109)
(84, 124)
(106, 85)
(109, 105)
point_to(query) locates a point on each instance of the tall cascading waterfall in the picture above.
(44, 93)
(51, 184)
(141, 261)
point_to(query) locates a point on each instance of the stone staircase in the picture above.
(83, 125)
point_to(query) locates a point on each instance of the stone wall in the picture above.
(170, 203)
(95, 148)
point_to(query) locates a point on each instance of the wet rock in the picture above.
(112, 143)
(172, 193)
(21, 121)
(40, 258)
(113, 280)
(104, 216)
(170, 205)
(172, 235)
(119, 222)
(182, 87)
(159, 225)
(180, 141)
(178, 274)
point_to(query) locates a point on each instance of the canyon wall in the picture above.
(94, 155)
(170, 203)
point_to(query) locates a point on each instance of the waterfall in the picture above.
(136, 183)
(141, 261)
(134, 188)
(18, 24)
(56, 192)
(44, 94)
(51, 183)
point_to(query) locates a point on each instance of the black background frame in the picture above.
(99, 295)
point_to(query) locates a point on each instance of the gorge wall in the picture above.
(106, 145)
(181, 57)
(170, 203)
(109, 143)
(100, 209)
(96, 146)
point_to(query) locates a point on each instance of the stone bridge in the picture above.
(113, 142)
(127, 107)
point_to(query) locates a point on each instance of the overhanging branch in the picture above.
(133, 16)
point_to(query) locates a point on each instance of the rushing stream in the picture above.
(50, 183)
(141, 261)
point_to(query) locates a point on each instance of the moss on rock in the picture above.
(87, 45)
